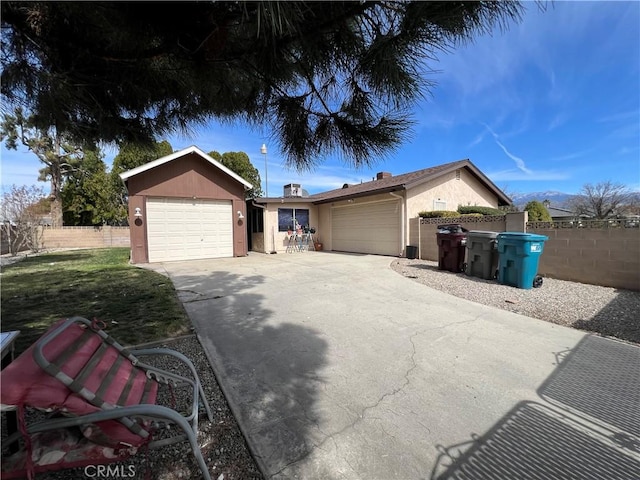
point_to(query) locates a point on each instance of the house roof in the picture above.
(181, 153)
(406, 181)
(556, 212)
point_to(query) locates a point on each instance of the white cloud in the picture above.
(620, 116)
(557, 121)
(479, 138)
(518, 161)
(570, 156)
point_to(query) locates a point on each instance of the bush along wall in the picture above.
(482, 210)
(439, 214)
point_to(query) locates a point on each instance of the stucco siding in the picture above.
(324, 226)
(278, 241)
(465, 191)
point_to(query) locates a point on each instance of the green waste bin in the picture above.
(482, 254)
(519, 254)
(451, 247)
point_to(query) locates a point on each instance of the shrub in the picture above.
(537, 212)
(471, 215)
(439, 214)
(480, 210)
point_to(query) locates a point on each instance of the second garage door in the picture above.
(367, 228)
(186, 229)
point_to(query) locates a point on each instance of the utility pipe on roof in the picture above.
(403, 227)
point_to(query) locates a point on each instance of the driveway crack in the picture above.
(395, 391)
(197, 296)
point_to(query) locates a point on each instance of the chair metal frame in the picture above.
(132, 415)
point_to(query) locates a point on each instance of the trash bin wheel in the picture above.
(495, 274)
(464, 268)
(537, 281)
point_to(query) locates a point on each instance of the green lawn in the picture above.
(99, 283)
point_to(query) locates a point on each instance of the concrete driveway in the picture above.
(339, 368)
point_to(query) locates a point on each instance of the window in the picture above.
(287, 218)
(439, 205)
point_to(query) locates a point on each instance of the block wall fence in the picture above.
(597, 253)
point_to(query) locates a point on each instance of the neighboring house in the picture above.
(561, 214)
(564, 215)
(371, 217)
(186, 206)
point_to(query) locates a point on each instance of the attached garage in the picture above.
(367, 228)
(186, 229)
(186, 206)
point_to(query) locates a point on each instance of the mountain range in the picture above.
(557, 199)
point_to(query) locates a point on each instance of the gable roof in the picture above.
(557, 212)
(406, 181)
(181, 153)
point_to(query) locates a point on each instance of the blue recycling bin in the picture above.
(519, 254)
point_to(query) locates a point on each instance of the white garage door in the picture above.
(367, 228)
(185, 229)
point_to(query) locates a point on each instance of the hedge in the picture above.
(439, 214)
(481, 210)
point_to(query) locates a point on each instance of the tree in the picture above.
(603, 200)
(537, 212)
(130, 156)
(59, 155)
(22, 217)
(238, 162)
(511, 208)
(328, 77)
(87, 194)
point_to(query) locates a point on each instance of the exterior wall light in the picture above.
(240, 215)
(137, 213)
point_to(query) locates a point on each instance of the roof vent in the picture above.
(381, 175)
(346, 185)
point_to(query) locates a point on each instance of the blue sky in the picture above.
(551, 104)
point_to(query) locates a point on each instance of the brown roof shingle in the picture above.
(388, 184)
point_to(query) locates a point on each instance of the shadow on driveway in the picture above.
(610, 320)
(592, 431)
(275, 398)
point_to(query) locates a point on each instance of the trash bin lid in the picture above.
(451, 228)
(482, 233)
(525, 237)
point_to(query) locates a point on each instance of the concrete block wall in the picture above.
(608, 257)
(426, 228)
(85, 237)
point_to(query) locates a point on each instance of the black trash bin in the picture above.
(452, 240)
(411, 252)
